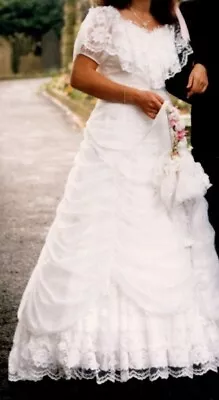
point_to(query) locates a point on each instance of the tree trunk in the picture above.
(74, 12)
(68, 31)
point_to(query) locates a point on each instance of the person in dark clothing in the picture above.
(205, 132)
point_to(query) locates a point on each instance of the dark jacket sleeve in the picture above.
(177, 85)
(194, 14)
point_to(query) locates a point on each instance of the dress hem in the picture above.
(121, 376)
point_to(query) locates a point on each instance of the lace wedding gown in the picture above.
(123, 288)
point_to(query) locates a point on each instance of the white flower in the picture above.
(180, 126)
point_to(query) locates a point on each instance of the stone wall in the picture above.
(5, 57)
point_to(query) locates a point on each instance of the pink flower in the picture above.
(178, 131)
(172, 122)
(181, 134)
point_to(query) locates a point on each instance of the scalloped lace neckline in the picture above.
(131, 22)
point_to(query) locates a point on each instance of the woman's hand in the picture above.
(149, 102)
(198, 80)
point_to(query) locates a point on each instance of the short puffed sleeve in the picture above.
(94, 38)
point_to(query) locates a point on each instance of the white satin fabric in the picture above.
(122, 287)
(183, 26)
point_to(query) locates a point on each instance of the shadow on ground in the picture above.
(181, 389)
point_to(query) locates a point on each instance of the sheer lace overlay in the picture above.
(123, 287)
(117, 341)
(160, 53)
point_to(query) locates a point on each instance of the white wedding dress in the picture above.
(123, 287)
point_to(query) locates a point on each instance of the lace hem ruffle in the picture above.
(116, 340)
(118, 376)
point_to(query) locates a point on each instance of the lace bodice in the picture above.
(124, 50)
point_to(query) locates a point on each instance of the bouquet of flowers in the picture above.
(179, 178)
(178, 131)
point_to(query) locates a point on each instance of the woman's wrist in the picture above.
(131, 95)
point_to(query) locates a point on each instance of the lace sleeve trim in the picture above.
(95, 37)
(183, 51)
(183, 47)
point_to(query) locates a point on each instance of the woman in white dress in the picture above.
(125, 286)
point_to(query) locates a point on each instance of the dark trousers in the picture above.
(205, 142)
(211, 167)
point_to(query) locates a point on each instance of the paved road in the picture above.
(37, 147)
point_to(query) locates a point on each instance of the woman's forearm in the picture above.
(89, 81)
(85, 77)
